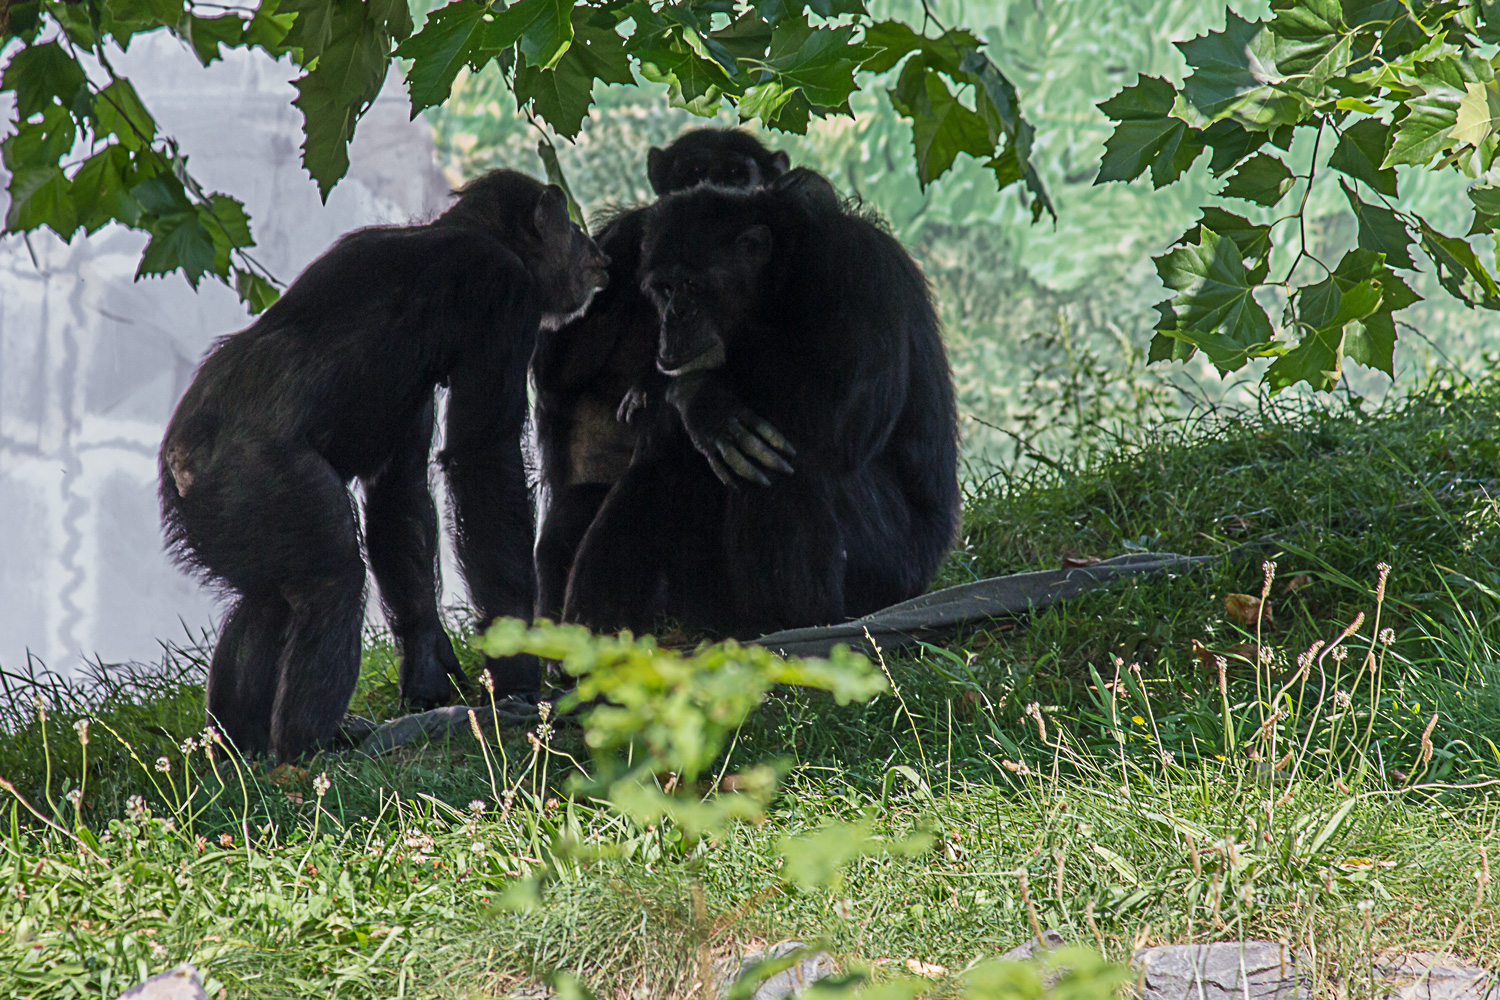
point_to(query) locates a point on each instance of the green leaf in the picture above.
(1459, 270)
(268, 29)
(230, 215)
(162, 194)
(42, 75)
(941, 126)
(178, 241)
(1231, 142)
(1361, 151)
(1486, 199)
(1235, 76)
(255, 292)
(1478, 113)
(1215, 308)
(1380, 229)
(41, 196)
(99, 190)
(820, 62)
(1253, 241)
(449, 40)
(118, 110)
(42, 143)
(555, 175)
(695, 84)
(549, 34)
(1147, 133)
(206, 34)
(1332, 318)
(996, 102)
(1424, 132)
(1165, 347)
(1311, 47)
(346, 79)
(312, 28)
(886, 43)
(560, 96)
(746, 37)
(1262, 179)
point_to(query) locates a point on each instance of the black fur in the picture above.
(593, 375)
(813, 316)
(335, 383)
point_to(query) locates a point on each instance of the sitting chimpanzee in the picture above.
(336, 382)
(783, 301)
(594, 375)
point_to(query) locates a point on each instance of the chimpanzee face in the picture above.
(722, 157)
(570, 266)
(703, 290)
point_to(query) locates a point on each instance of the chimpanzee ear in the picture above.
(780, 163)
(551, 208)
(755, 244)
(656, 170)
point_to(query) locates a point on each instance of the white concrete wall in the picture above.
(92, 363)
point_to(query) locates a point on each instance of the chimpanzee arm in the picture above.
(725, 432)
(402, 541)
(492, 506)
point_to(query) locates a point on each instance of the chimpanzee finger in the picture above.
(756, 449)
(772, 436)
(739, 463)
(725, 476)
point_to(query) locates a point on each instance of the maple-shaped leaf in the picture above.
(1486, 200)
(254, 291)
(1426, 130)
(1478, 113)
(178, 241)
(1380, 229)
(446, 43)
(1147, 134)
(1361, 151)
(1325, 311)
(342, 84)
(1215, 308)
(1262, 179)
(1458, 267)
(1253, 240)
(941, 127)
(1234, 75)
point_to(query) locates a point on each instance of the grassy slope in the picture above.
(1168, 831)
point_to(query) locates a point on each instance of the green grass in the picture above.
(1091, 748)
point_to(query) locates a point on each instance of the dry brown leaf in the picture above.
(288, 775)
(1297, 582)
(1245, 609)
(928, 969)
(1074, 562)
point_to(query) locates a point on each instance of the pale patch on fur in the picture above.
(182, 476)
(556, 321)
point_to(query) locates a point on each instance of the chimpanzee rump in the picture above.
(782, 302)
(594, 376)
(335, 382)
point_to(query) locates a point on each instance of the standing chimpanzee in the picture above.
(594, 375)
(784, 301)
(336, 382)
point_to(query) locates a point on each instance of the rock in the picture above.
(444, 723)
(1233, 970)
(1051, 940)
(789, 982)
(181, 983)
(1430, 975)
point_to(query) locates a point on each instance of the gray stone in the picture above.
(1429, 975)
(1234, 970)
(1051, 940)
(445, 723)
(789, 982)
(181, 983)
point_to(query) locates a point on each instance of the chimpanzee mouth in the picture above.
(710, 357)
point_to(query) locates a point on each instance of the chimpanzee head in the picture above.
(725, 157)
(531, 219)
(705, 259)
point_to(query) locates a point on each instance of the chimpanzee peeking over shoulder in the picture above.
(594, 375)
(783, 302)
(336, 382)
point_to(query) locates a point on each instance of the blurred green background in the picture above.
(1047, 326)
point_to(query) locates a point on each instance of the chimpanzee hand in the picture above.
(633, 403)
(727, 433)
(427, 661)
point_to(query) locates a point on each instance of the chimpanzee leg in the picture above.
(401, 537)
(893, 549)
(326, 590)
(493, 513)
(784, 555)
(569, 514)
(242, 675)
(616, 576)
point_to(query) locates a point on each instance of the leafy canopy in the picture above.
(1380, 83)
(83, 150)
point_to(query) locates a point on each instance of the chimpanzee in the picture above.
(336, 382)
(786, 302)
(594, 375)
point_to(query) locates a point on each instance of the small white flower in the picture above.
(1387, 636)
(163, 765)
(487, 681)
(476, 806)
(1339, 654)
(75, 797)
(321, 784)
(844, 908)
(419, 842)
(189, 745)
(157, 951)
(1342, 699)
(135, 808)
(81, 727)
(479, 847)
(544, 709)
(210, 735)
